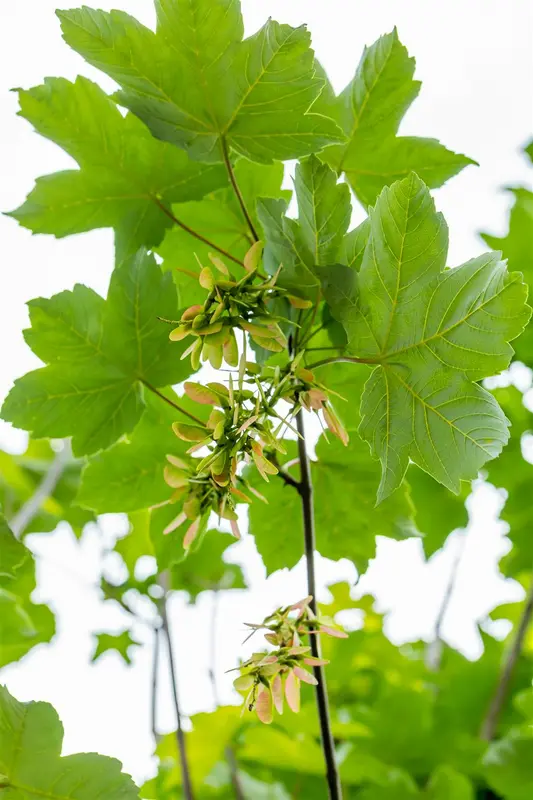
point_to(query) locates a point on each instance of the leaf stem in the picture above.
(306, 493)
(194, 233)
(240, 198)
(336, 359)
(180, 736)
(490, 723)
(172, 403)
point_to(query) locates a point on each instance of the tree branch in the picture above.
(194, 233)
(240, 198)
(182, 749)
(27, 512)
(172, 403)
(155, 674)
(306, 493)
(490, 723)
(434, 648)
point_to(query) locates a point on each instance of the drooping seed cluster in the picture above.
(267, 679)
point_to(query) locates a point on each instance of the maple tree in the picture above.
(367, 329)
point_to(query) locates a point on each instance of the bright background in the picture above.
(475, 59)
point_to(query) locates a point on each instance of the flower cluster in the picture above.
(231, 304)
(267, 679)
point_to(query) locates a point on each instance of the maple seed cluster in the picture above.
(267, 679)
(232, 432)
(231, 304)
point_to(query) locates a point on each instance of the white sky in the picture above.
(475, 59)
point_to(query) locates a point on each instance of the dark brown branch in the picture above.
(180, 736)
(194, 233)
(490, 723)
(172, 403)
(306, 493)
(240, 198)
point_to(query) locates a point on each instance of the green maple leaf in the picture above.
(12, 552)
(517, 247)
(101, 356)
(23, 624)
(369, 111)
(195, 83)
(317, 237)
(512, 472)
(121, 643)
(432, 333)
(126, 177)
(31, 766)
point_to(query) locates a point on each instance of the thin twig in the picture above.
(434, 648)
(26, 513)
(240, 198)
(194, 233)
(306, 493)
(180, 736)
(155, 679)
(490, 723)
(172, 403)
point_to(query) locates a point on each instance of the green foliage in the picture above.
(369, 111)
(193, 171)
(23, 623)
(126, 177)
(432, 332)
(196, 84)
(31, 765)
(101, 355)
(122, 643)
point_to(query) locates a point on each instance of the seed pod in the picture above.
(200, 321)
(252, 259)
(299, 302)
(179, 333)
(209, 330)
(268, 344)
(206, 279)
(200, 394)
(191, 312)
(218, 263)
(174, 477)
(189, 433)
(191, 506)
(195, 354)
(191, 534)
(231, 350)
